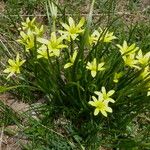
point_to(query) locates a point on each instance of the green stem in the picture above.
(71, 47)
(54, 25)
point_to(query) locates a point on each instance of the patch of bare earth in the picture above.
(10, 137)
(14, 142)
(133, 15)
(2, 6)
(16, 106)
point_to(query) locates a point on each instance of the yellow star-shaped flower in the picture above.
(27, 39)
(28, 24)
(94, 67)
(104, 36)
(130, 61)
(101, 106)
(107, 36)
(54, 45)
(101, 103)
(125, 49)
(143, 59)
(104, 95)
(72, 30)
(14, 66)
(94, 37)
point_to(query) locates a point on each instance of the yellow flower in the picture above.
(28, 24)
(72, 30)
(143, 59)
(101, 106)
(39, 31)
(128, 53)
(72, 59)
(125, 49)
(146, 73)
(14, 66)
(101, 36)
(107, 36)
(117, 76)
(27, 40)
(54, 45)
(104, 95)
(42, 52)
(130, 61)
(94, 67)
(94, 37)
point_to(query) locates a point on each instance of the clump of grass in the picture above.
(97, 82)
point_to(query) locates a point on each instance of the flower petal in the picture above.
(100, 66)
(108, 109)
(11, 62)
(7, 70)
(94, 98)
(68, 65)
(93, 73)
(110, 100)
(96, 111)
(111, 92)
(103, 90)
(104, 113)
(11, 74)
(81, 23)
(17, 58)
(43, 41)
(65, 26)
(97, 92)
(92, 103)
(56, 52)
(71, 22)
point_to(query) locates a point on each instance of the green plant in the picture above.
(72, 69)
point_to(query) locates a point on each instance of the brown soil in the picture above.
(9, 137)
(2, 6)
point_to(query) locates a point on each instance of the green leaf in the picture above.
(4, 88)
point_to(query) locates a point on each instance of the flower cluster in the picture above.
(133, 56)
(63, 44)
(29, 32)
(101, 35)
(50, 47)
